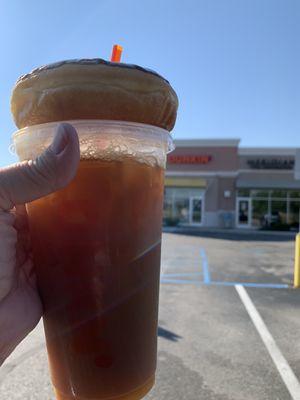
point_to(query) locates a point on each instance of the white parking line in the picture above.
(285, 371)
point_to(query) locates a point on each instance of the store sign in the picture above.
(271, 163)
(189, 159)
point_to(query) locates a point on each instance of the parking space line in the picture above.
(252, 284)
(179, 277)
(171, 278)
(205, 267)
(181, 274)
(180, 281)
(285, 371)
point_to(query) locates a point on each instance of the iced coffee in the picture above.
(97, 242)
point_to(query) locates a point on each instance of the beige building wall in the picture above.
(226, 185)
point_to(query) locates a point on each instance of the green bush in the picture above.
(171, 221)
(277, 226)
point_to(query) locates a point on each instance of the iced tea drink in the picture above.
(97, 253)
(96, 247)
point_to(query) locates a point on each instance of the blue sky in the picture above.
(235, 64)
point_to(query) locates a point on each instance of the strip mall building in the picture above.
(216, 183)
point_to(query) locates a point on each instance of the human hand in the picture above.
(20, 304)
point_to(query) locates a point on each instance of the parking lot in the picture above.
(228, 325)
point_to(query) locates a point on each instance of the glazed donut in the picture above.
(93, 89)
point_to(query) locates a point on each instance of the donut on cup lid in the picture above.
(93, 89)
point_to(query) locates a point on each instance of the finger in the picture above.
(51, 171)
(20, 210)
(29, 270)
(21, 253)
(23, 245)
(8, 239)
(21, 220)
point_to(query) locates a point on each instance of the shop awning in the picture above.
(267, 181)
(192, 182)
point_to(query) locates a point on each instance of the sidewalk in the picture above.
(232, 234)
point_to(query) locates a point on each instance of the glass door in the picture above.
(196, 210)
(181, 210)
(243, 212)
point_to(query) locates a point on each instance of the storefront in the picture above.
(214, 183)
(268, 196)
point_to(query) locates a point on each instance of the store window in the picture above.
(294, 194)
(259, 194)
(278, 213)
(181, 209)
(294, 214)
(183, 206)
(244, 192)
(279, 194)
(272, 209)
(259, 213)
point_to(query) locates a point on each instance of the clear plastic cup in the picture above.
(96, 247)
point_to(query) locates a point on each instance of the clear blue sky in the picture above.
(235, 64)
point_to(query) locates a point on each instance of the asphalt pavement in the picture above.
(229, 325)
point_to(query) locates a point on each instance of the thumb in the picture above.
(52, 170)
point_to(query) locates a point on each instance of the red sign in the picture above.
(189, 159)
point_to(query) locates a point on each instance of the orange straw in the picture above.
(116, 53)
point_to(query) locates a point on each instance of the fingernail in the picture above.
(60, 140)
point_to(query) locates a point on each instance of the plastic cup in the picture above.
(96, 249)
